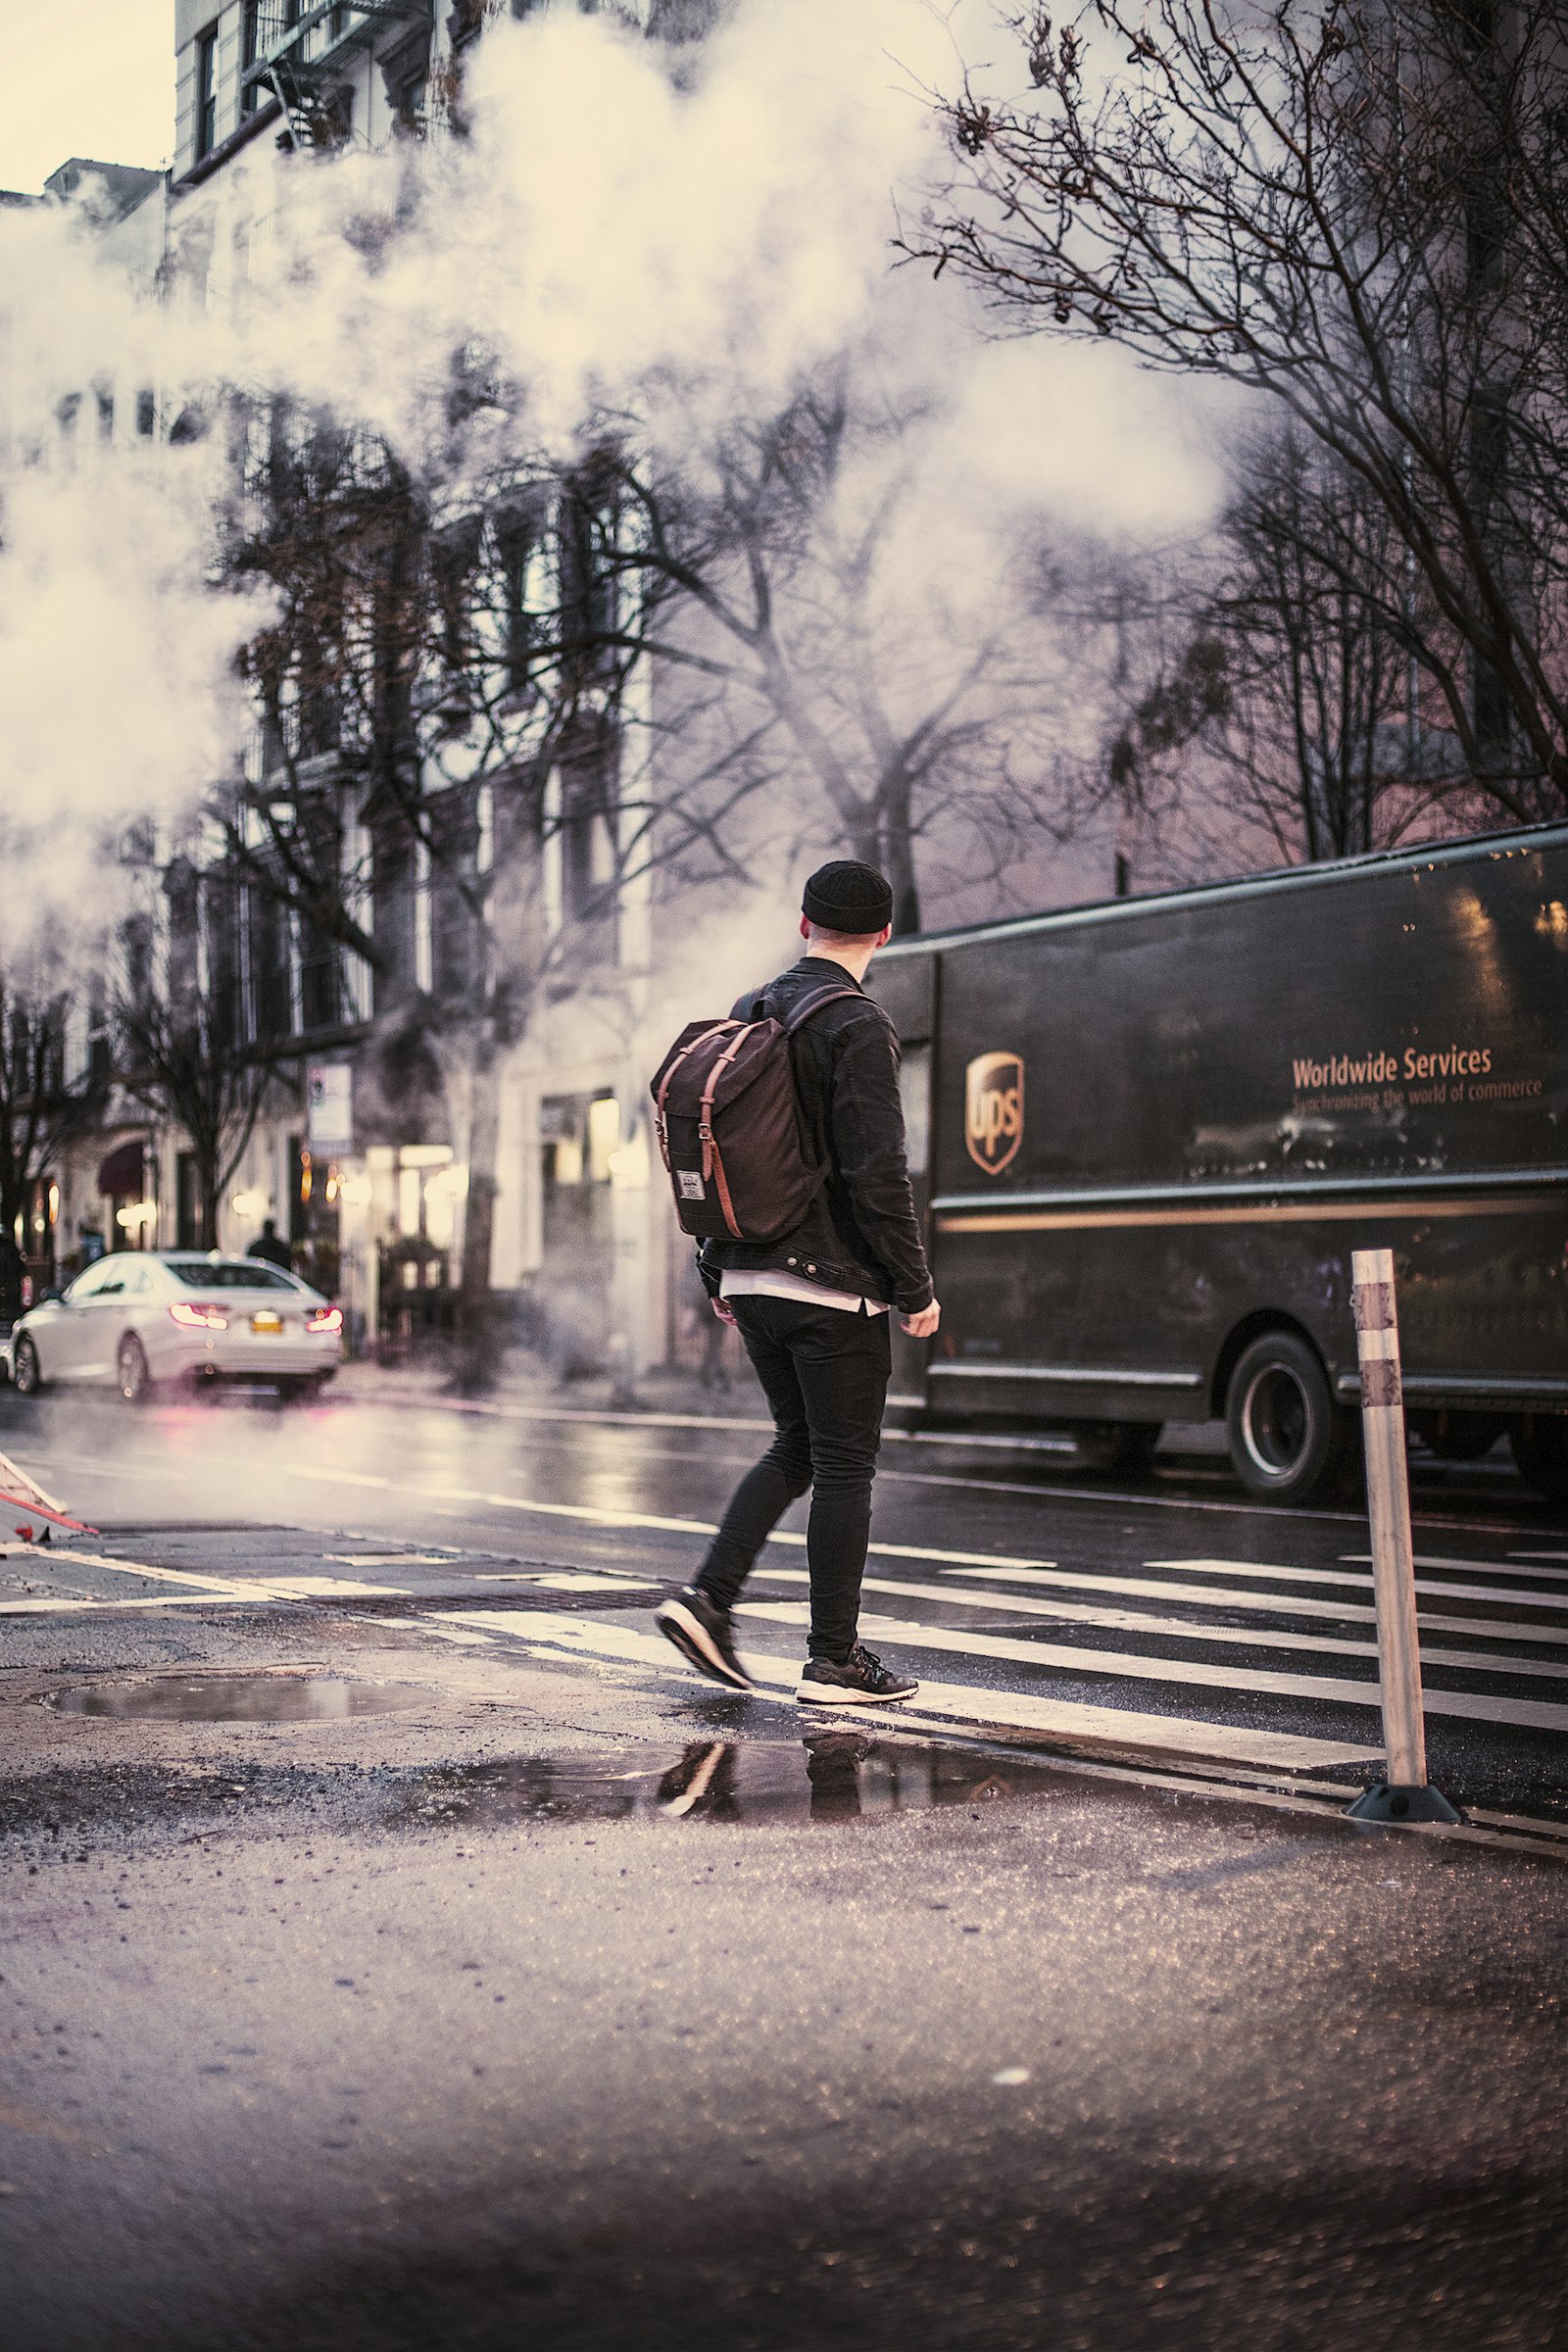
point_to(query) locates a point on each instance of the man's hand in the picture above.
(924, 1325)
(725, 1314)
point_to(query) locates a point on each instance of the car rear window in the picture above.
(200, 1274)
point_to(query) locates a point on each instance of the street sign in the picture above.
(329, 1104)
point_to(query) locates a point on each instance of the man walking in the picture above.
(813, 1307)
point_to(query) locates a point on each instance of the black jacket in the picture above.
(860, 1233)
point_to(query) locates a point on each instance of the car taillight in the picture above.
(324, 1318)
(198, 1316)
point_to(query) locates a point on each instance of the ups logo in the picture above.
(993, 1109)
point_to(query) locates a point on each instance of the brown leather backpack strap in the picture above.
(660, 1127)
(712, 1162)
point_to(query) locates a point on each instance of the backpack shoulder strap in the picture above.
(816, 1003)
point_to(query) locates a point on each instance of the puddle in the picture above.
(241, 1698)
(830, 1775)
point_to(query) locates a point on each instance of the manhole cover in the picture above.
(241, 1698)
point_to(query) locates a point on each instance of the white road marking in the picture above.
(1537, 1555)
(336, 1478)
(1065, 1720)
(217, 1587)
(1134, 1666)
(392, 1559)
(1353, 1576)
(569, 1580)
(42, 1606)
(1272, 1604)
(1134, 1621)
(1423, 1559)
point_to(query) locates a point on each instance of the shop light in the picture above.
(251, 1206)
(604, 1136)
(137, 1214)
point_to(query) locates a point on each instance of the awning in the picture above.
(120, 1171)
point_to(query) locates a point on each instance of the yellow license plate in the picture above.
(272, 1324)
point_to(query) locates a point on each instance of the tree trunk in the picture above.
(479, 1336)
(207, 1181)
(900, 856)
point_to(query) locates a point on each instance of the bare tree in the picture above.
(811, 642)
(1357, 210)
(1286, 680)
(446, 718)
(178, 1061)
(41, 1110)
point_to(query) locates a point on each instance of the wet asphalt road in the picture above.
(560, 1998)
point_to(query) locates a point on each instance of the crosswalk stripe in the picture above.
(1182, 1629)
(1514, 1568)
(1069, 1722)
(1273, 1604)
(1534, 1714)
(1353, 1576)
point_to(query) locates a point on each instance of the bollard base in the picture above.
(1380, 1802)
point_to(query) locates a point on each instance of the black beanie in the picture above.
(849, 896)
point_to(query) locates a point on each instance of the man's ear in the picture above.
(885, 935)
(806, 929)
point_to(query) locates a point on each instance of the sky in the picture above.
(91, 78)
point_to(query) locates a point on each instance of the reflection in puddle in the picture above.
(241, 1698)
(830, 1776)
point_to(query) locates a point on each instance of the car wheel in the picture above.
(130, 1367)
(1124, 1448)
(1287, 1435)
(1539, 1447)
(26, 1376)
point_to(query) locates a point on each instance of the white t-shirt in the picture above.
(770, 1285)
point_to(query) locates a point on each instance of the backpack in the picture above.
(729, 1127)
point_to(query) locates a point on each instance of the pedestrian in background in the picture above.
(268, 1246)
(813, 1307)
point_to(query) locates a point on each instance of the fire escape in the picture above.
(298, 54)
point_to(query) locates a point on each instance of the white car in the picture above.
(147, 1316)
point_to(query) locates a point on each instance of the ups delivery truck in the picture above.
(1147, 1135)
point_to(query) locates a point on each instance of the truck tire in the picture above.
(1123, 1448)
(26, 1376)
(1539, 1447)
(1287, 1436)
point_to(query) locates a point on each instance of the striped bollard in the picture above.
(1405, 1793)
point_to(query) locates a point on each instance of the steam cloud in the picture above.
(671, 255)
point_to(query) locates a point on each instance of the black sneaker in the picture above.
(700, 1633)
(861, 1681)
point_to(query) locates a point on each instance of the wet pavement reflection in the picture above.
(835, 1775)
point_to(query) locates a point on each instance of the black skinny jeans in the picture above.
(824, 1373)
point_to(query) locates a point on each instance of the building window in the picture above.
(250, 50)
(206, 91)
(517, 537)
(106, 414)
(146, 415)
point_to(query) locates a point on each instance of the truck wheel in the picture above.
(1125, 1449)
(24, 1372)
(1540, 1445)
(1286, 1435)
